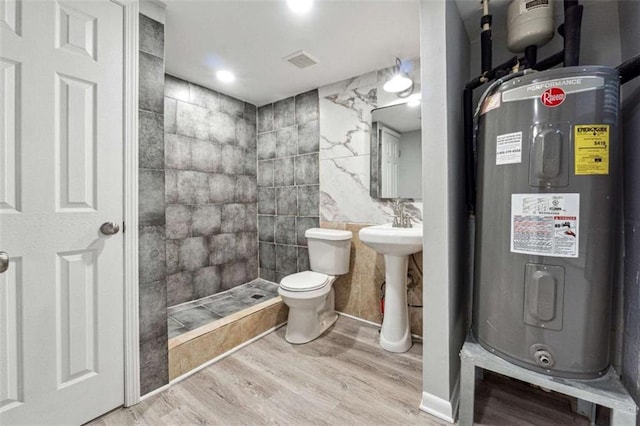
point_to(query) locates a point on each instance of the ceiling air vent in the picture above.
(301, 59)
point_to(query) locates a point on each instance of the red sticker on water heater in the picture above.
(553, 97)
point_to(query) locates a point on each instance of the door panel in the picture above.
(75, 144)
(10, 15)
(75, 30)
(76, 311)
(11, 383)
(61, 177)
(389, 163)
(9, 143)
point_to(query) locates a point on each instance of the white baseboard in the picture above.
(446, 410)
(375, 324)
(155, 392)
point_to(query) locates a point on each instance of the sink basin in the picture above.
(396, 244)
(385, 239)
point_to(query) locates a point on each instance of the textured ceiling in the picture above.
(251, 38)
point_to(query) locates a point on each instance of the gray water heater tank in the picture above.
(548, 203)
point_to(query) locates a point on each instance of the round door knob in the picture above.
(110, 228)
(4, 261)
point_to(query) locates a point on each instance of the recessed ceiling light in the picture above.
(225, 76)
(300, 6)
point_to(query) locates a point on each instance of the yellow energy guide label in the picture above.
(592, 149)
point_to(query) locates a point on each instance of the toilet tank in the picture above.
(329, 250)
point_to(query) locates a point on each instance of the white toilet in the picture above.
(309, 294)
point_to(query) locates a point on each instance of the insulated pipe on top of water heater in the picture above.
(485, 38)
(570, 31)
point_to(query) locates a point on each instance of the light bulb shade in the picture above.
(400, 82)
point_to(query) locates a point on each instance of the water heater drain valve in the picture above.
(544, 358)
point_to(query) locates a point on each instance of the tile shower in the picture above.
(211, 227)
(215, 190)
(151, 232)
(288, 183)
(210, 181)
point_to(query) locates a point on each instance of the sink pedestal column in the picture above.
(395, 335)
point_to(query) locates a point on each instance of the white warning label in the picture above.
(545, 224)
(527, 5)
(509, 148)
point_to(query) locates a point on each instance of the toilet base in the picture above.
(306, 323)
(296, 338)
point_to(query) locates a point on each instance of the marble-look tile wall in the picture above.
(345, 124)
(358, 292)
(211, 197)
(152, 268)
(288, 183)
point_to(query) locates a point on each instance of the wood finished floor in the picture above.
(343, 378)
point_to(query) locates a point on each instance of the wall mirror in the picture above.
(396, 152)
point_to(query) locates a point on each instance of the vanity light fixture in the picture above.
(400, 83)
(225, 76)
(300, 6)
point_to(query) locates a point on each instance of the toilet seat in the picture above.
(305, 281)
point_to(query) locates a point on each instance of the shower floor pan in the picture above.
(196, 313)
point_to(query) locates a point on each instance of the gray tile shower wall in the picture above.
(154, 371)
(211, 191)
(288, 183)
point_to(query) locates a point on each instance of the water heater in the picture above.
(548, 199)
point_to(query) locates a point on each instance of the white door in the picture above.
(61, 177)
(389, 163)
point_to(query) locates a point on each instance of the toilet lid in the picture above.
(304, 281)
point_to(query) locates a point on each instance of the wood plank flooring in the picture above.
(343, 378)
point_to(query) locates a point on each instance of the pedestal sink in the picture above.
(396, 244)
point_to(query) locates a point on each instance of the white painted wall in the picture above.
(410, 165)
(445, 65)
(154, 9)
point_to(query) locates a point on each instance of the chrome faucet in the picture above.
(400, 218)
